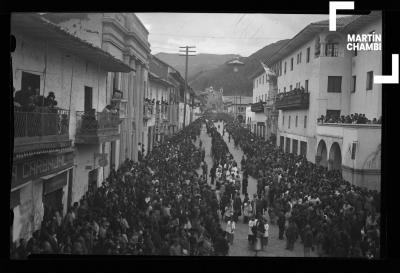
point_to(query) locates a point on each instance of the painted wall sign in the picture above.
(40, 166)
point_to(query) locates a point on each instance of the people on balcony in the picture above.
(293, 92)
(89, 121)
(348, 119)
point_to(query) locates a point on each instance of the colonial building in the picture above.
(160, 98)
(124, 37)
(57, 147)
(236, 106)
(264, 119)
(317, 76)
(213, 99)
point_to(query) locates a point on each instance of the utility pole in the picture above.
(186, 51)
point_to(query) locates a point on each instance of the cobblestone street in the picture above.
(240, 247)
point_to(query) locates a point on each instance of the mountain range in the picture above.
(207, 70)
(197, 64)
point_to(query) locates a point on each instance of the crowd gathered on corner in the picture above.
(309, 202)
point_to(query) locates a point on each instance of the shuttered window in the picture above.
(334, 84)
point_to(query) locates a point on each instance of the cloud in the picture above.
(221, 33)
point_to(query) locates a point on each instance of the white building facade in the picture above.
(54, 149)
(331, 81)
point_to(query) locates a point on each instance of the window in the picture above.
(308, 55)
(283, 120)
(297, 59)
(334, 114)
(300, 57)
(291, 64)
(331, 50)
(306, 85)
(88, 100)
(334, 84)
(30, 82)
(296, 122)
(285, 68)
(353, 151)
(289, 122)
(353, 86)
(305, 121)
(370, 76)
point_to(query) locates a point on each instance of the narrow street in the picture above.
(240, 247)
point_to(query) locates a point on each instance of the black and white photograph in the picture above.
(197, 134)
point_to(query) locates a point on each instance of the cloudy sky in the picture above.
(221, 33)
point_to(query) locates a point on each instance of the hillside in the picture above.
(235, 83)
(197, 64)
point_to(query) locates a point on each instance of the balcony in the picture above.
(41, 131)
(117, 102)
(96, 127)
(148, 111)
(257, 107)
(293, 100)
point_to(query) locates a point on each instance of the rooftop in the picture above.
(343, 24)
(37, 27)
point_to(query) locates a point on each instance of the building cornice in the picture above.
(127, 34)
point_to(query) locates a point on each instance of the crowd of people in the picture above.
(349, 119)
(29, 100)
(161, 205)
(309, 202)
(157, 206)
(295, 91)
(229, 185)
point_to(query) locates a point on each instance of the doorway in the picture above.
(92, 182)
(31, 82)
(88, 101)
(52, 202)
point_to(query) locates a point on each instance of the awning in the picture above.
(55, 183)
(33, 25)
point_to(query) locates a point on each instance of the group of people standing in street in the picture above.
(328, 214)
(157, 206)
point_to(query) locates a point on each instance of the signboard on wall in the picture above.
(40, 166)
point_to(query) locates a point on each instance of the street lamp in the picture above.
(235, 63)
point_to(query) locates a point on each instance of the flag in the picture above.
(267, 70)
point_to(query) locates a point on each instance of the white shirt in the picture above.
(266, 226)
(230, 227)
(251, 224)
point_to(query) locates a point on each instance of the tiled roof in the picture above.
(308, 32)
(32, 24)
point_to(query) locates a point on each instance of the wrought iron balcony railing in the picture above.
(43, 122)
(295, 99)
(94, 121)
(257, 107)
(40, 131)
(148, 111)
